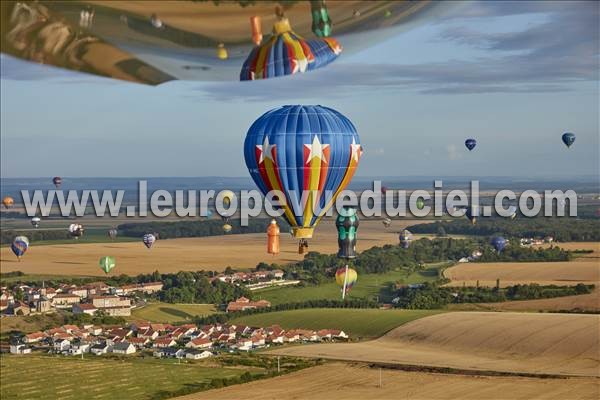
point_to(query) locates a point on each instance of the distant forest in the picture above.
(562, 229)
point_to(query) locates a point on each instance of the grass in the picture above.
(371, 286)
(29, 323)
(169, 313)
(359, 323)
(42, 277)
(52, 377)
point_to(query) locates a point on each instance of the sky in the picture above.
(513, 75)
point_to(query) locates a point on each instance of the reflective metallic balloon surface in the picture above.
(157, 41)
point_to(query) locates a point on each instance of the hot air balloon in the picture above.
(386, 222)
(406, 238)
(149, 240)
(273, 238)
(293, 149)
(76, 230)
(57, 180)
(347, 224)
(384, 189)
(472, 214)
(19, 246)
(346, 278)
(470, 144)
(227, 228)
(35, 221)
(499, 243)
(256, 26)
(228, 196)
(107, 263)
(112, 233)
(8, 201)
(321, 21)
(222, 52)
(286, 53)
(568, 138)
(420, 203)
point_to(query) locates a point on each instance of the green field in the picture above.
(371, 286)
(169, 313)
(53, 377)
(359, 323)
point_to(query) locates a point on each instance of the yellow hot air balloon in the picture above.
(8, 201)
(222, 52)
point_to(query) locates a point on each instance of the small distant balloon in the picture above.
(406, 238)
(156, 22)
(76, 230)
(420, 203)
(222, 52)
(107, 263)
(470, 144)
(227, 228)
(386, 222)
(498, 243)
(57, 180)
(149, 240)
(35, 221)
(472, 214)
(8, 201)
(568, 138)
(112, 233)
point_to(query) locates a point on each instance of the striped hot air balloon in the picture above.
(107, 263)
(149, 240)
(19, 246)
(286, 53)
(297, 149)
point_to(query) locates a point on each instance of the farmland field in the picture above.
(189, 254)
(355, 322)
(357, 382)
(100, 377)
(371, 286)
(564, 344)
(169, 313)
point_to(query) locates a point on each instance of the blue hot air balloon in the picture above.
(499, 243)
(470, 143)
(303, 149)
(19, 246)
(568, 138)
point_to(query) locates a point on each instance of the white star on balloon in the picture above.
(316, 150)
(356, 150)
(266, 150)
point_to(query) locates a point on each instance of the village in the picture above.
(164, 340)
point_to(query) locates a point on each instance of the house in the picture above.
(99, 348)
(275, 339)
(34, 337)
(338, 334)
(84, 308)
(169, 352)
(110, 301)
(243, 345)
(243, 303)
(120, 332)
(307, 335)
(19, 348)
(258, 341)
(139, 325)
(43, 304)
(199, 344)
(61, 345)
(139, 342)
(18, 308)
(70, 328)
(65, 300)
(95, 330)
(197, 354)
(277, 274)
(148, 334)
(290, 337)
(123, 348)
(79, 348)
(162, 343)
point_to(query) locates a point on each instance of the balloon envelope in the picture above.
(568, 138)
(112, 233)
(405, 238)
(19, 245)
(470, 144)
(149, 240)
(498, 243)
(57, 180)
(297, 149)
(273, 238)
(340, 277)
(107, 263)
(8, 201)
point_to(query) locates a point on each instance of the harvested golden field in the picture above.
(566, 344)
(210, 253)
(344, 381)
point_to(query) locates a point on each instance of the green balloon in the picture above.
(420, 203)
(107, 263)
